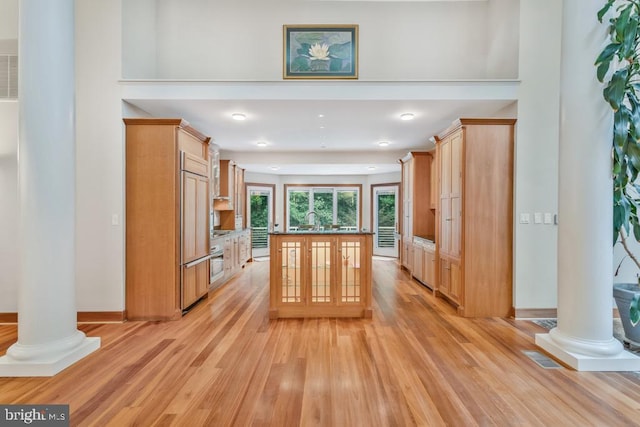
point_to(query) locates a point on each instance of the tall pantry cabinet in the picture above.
(418, 219)
(475, 216)
(167, 218)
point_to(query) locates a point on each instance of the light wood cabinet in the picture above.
(418, 218)
(429, 266)
(214, 175)
(195, 281)
(424, 268)
(167, 218)
(320, 275)
(237, 252)
(433, 182)
(230, 202)
(417, 269)
(475, 219)
(195, 216)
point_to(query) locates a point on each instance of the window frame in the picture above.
(334, 188)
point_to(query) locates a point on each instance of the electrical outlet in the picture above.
(525, 218)
(548, 218)
(537, 218)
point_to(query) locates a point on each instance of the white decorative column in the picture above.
(48, 340)
(583, 338)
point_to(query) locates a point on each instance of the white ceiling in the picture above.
(320, 136)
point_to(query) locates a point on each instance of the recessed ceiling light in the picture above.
(261, 143)
(383, 143)
(321, 127)
(321, 115)
(238, 116)
(407, 116)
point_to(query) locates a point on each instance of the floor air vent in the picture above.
(542, 360)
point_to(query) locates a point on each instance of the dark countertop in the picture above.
(323, 232)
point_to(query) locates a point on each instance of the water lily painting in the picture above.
(320, 51)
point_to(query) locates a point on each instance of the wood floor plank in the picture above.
(416, 362)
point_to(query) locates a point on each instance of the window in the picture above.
(323, 207)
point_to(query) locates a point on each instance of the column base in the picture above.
(49, 365)
(622, 361)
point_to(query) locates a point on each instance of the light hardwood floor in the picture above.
(414, 363)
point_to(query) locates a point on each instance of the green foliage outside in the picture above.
(259, 210)
(387, 210)
(347, 207)
(298, 207)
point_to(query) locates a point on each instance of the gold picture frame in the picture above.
(320, 51)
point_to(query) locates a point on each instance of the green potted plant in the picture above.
(618, 67)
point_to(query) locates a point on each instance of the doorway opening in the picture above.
(385, 219)
(260, 218)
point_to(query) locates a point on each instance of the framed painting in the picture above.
(320, 52)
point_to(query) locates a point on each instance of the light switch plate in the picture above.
(548, 218)
(537, 218)
(525, 218)
(115, 220)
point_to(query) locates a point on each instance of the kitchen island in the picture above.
(320, 274)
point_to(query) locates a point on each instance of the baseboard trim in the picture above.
(8, 317)
(83, 317)
(543, 313)
(101, 316)
(535, 313)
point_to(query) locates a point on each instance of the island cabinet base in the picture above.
(320, 275)
(295, 312)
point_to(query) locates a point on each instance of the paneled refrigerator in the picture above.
(166, 219)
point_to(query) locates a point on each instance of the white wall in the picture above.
(503, 38)
(536, 164)
(233, 40)
(99, 157)
(9, 206)
(139, 30)
(8, 170)
(8, 19)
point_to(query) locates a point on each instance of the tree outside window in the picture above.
(332, 205)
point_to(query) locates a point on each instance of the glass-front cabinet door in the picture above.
(321, 251)
(350, 271)
(319, 275)
(290, 259)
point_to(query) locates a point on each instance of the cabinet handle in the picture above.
(447, 268)
(198, 261)
(448, 219)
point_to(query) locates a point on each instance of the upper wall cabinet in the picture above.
(475, 219)
(230, 199)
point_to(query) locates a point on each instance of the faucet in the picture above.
(306, 218)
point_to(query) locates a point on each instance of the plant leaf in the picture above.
(614, 92)
(629, 37)
(634, 116)
(620, 126)
(622, 21)
(604, 59)
(340, 51)
(605, 9)
(608, 52)
(634, 310)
